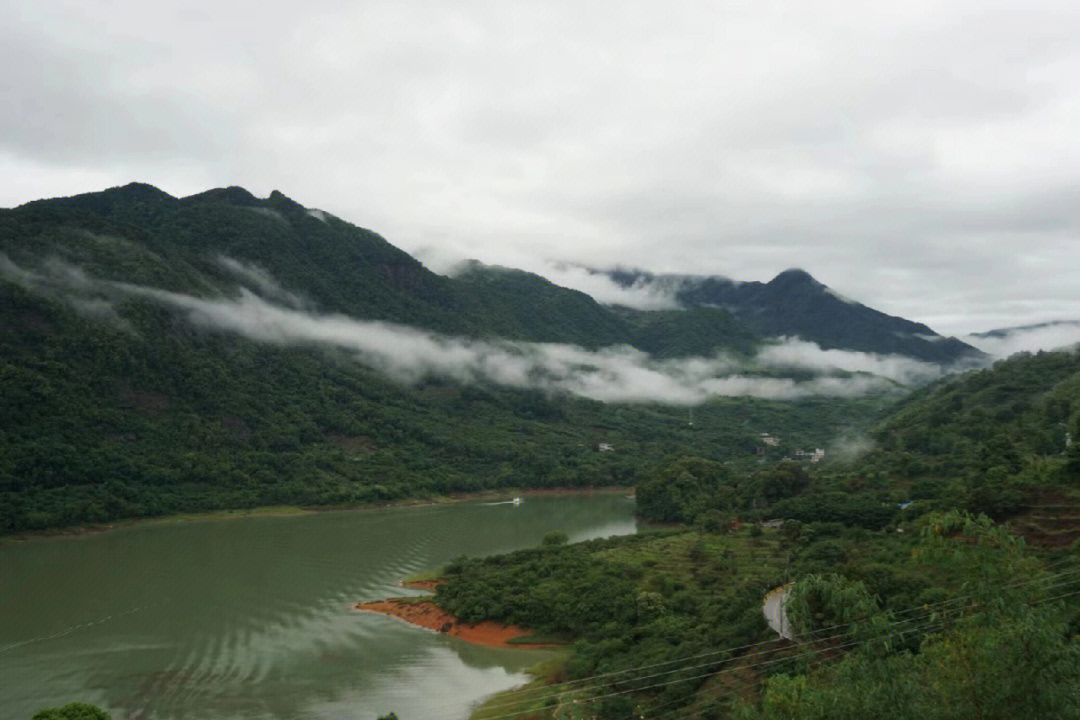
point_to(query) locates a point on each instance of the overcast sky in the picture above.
(921, 158)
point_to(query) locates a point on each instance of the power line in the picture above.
(853, 643)
(807, 652)
(556, 689)
(820, 661)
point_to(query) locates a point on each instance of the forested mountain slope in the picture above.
(139, 234)
(999, 441)
(162, 354)
(99, 421)
(1023, 406)
(795, 304)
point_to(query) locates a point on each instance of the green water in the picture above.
(249, 618)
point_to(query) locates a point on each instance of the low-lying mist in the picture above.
(619, 374)
(1050, 336)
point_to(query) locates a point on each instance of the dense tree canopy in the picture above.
(114, 405)
(72, 711)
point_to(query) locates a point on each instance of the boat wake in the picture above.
(515, 501)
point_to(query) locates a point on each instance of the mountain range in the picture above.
(795, 304)
(336, 267)
(1007, 331)
(162, 354)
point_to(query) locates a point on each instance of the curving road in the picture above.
(773, 608)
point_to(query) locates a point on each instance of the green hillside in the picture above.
(900, 602)
(989, 441)
(795, 304)
(520, 305)
(117, 404)
(123, 397)
(698, 331)
(138, 234)
(99, 422)
(1005, 417)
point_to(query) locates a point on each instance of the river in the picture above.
(249, 618)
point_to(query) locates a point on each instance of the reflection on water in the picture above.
(249, 618)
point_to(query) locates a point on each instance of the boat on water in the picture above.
(516, 501)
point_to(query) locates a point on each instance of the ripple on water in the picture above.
(246, 619)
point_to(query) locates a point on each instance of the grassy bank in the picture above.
(78, 531)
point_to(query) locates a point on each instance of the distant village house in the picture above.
(816, 455)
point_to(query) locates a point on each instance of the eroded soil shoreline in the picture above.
(426, 614)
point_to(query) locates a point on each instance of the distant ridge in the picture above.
(1005, 332)
(341, 268)
(795, 304)
(162, 354)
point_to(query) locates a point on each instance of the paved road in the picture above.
(773, 607)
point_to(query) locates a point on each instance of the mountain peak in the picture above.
(795, 304)
(793, 276)
(280, 201)
(103, 200)
(232, 195)
(135, 189)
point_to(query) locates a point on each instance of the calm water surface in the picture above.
(249, 618)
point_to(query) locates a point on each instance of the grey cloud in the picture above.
(65, 105)
(922, 159)
(617, 375)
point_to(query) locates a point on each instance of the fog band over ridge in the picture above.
(619, 374)
(1051, 336)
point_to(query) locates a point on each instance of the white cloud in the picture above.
(260, 279)
(1053, 336)
(799, 354)
(642, 295)
(614, 374)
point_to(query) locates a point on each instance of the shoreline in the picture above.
(428, 585)
(426, 614)
(81, 531)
